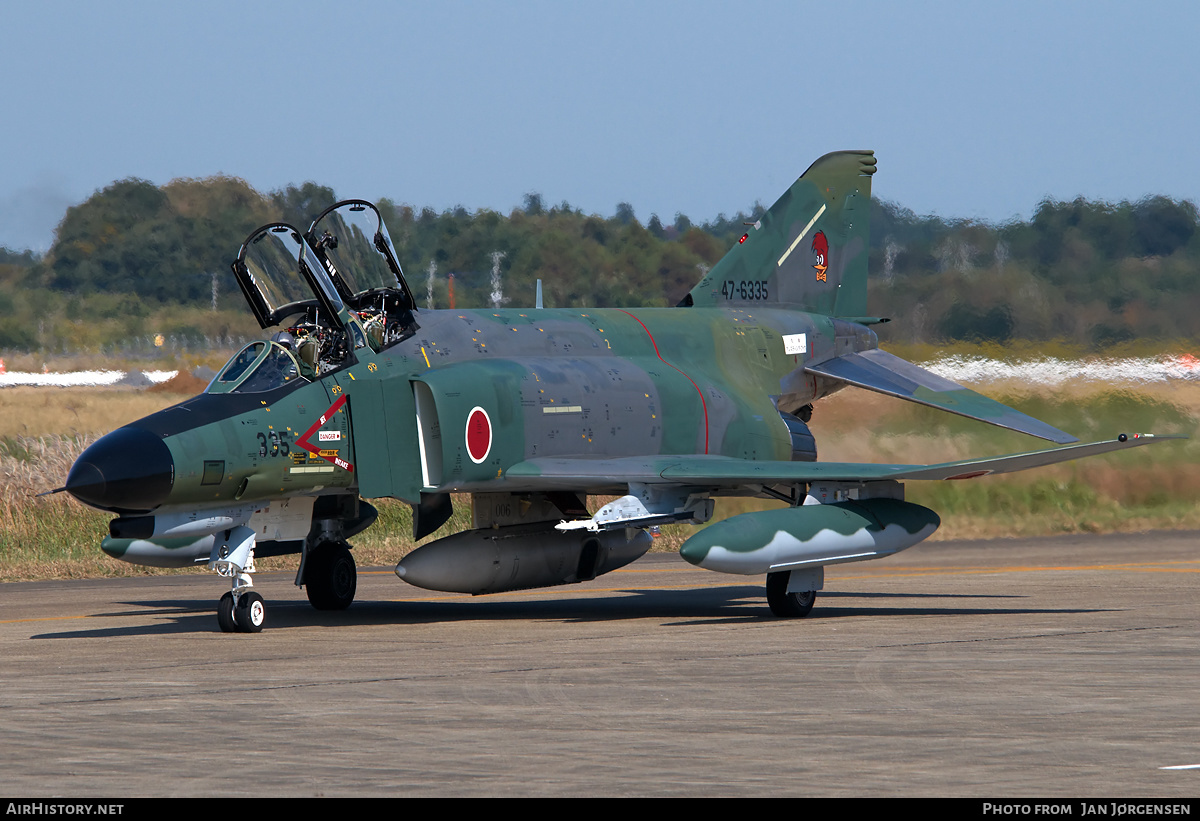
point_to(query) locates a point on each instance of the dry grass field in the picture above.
(42, 430)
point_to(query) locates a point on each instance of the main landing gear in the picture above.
(330, 578)
(785, 604)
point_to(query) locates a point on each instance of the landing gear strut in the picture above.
(784, 604)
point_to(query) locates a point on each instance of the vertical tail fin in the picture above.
(809, 251)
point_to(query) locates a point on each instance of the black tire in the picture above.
(225, 614)
(330, 578)
(784, 604)
(250, 613)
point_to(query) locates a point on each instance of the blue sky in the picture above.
(974, 110)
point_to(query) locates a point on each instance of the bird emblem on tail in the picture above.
(820, 247)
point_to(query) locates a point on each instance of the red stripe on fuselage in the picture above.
(703, 404)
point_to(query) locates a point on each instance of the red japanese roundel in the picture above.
(479, 435)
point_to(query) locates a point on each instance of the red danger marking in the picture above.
(331, 455)
(479, 435)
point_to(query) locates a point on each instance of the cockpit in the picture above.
(330, 292)
(260, 367)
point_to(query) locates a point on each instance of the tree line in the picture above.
(136, 255)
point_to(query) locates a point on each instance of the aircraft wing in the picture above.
(882, 372)
(725, 471)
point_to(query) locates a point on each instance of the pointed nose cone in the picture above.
(128, 470)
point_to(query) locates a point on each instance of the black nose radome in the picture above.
(128, 470)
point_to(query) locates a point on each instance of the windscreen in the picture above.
(257, 368)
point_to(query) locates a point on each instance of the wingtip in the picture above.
(1125, 437)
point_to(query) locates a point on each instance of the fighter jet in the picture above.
(358, 395)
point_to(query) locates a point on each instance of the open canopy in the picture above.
(282, 276)
(361, 261)
(360, 257)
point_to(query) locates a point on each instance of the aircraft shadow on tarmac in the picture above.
(707, 605)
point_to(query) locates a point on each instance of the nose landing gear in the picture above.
(241, 610)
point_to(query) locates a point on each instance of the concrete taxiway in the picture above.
(1050, 667)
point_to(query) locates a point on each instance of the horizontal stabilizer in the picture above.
(884, 373)
(728, 472)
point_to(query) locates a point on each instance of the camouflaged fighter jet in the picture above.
(358, 395)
